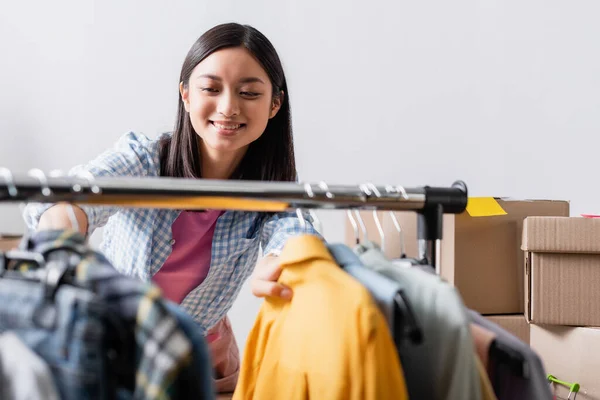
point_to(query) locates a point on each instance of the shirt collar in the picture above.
(344, 255)
(302, 248)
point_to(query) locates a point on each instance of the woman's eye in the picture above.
(249, 94)
(209, 90)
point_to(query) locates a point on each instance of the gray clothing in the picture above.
(385, 291)
(23, 374)
(444, 365)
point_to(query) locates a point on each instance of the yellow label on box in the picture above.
(484, 207)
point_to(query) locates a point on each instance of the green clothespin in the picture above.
(573, 387)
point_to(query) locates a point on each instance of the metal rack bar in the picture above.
(161, 192)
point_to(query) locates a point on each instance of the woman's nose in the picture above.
(228, 105)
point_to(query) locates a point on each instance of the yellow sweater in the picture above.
(329, 342)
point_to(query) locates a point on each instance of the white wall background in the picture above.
(502, 94)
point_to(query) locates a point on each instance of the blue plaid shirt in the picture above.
(138, 241)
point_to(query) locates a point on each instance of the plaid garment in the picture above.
(162, 350)
(137, 242)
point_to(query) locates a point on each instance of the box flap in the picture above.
(561, 235)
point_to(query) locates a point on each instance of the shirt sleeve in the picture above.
(280, 227)
(132, 155)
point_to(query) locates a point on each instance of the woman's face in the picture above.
(229, 100)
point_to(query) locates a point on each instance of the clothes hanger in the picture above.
(371, 188)
(354, 227)
(404, 260)
(363, 227)
(400, 233)
(408, 324)
(361, 224)
(316, 221)
(301, 218)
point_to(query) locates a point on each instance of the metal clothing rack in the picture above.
(160, 192)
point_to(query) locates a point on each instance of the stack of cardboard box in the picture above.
(562, 299)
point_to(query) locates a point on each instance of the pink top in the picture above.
(189, 262)
(184, 270)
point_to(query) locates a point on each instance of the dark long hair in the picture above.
(270, 157)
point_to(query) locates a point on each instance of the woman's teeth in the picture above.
(226, 127)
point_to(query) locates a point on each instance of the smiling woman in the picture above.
(233, 122)
(234, 114)
(230, 100)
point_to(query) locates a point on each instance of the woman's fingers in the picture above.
(264, 288)
(264, 282)
(268, 268)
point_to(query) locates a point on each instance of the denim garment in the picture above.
(74, 349)
(23, 374)
(116, 326)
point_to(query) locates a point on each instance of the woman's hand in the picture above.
(264, 280)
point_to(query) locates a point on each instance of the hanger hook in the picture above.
(397, 189)
(354, 226)
(40, 176)
(323, 185)
(87, 175)
(317, 221)
(56, 173)
(400, 232)
(402, 191)
(376, 217)
(313, 214)
(10, 183)
(301, 219)
(308, 190)
(361, 223)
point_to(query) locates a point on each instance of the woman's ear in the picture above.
(183, 90)
(276, 105)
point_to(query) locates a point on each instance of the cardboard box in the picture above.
(515, 324)
(9, 242)
(562, 273)
(481, 256)
(571, 355)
